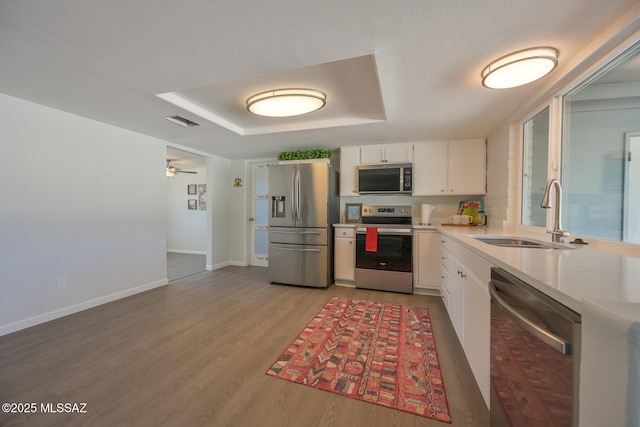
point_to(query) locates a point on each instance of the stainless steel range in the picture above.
(384, 243)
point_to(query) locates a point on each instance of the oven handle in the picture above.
(553, 340)
(391, 231)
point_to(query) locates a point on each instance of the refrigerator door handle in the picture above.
(297, 195)
(294, 232)
(280, 248)
(293, 195)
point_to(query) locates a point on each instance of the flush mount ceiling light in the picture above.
(520, 68)
(286, 102)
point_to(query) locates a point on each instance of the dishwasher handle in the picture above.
(557, 343)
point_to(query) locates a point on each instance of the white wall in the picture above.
(186, 229)
(239, 212)
(218, 186)
(81, 200)
(498, 168)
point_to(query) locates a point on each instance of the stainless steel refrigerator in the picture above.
(304, 203)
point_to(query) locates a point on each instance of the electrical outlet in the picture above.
(62, 282)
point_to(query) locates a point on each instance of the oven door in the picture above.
(389, 268)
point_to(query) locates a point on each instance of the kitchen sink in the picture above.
(518, 242)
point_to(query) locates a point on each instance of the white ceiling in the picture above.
(108, 60)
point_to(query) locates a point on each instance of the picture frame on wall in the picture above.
(192, 204)
(353, 212)
(191, 189)
(202, 197)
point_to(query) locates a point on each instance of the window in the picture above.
(534, 168)
(600, 169)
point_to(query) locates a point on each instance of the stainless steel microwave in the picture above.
(385, 179)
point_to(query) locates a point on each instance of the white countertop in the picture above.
(568, 276)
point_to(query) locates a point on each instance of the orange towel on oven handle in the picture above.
(371, 244)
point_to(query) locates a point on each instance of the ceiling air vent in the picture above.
(181, 121)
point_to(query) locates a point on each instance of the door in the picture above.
(430, 168)
(372, 155)
(399, 153)
(259, 215)
(427, 255)
(394, 252)
(476, 325)
(631, 222)
(467, 167)
(312, 194)
(301, 265)
(345, 259)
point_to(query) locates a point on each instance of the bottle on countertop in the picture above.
(483, 218)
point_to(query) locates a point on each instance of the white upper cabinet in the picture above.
(450, 167)
(468, 166)
(431, 168)
(387, 153)
(349, 158)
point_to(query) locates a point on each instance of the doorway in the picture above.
(186, 213)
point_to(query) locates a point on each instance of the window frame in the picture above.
(556, 117)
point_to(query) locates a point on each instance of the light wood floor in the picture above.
(195, 352)
(184, 265)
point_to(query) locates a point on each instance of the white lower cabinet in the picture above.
(426, 266)
(455, 285)
(465, 288)
(344, 264)
(476, 330)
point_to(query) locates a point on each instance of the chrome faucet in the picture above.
(558, 234)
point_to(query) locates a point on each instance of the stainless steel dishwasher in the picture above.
(535, 356)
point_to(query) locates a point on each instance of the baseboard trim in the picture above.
(238, 263)
(345, 284)
(217, 266)
(427, 291)
(65, 311)
(181, 251)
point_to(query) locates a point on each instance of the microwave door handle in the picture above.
(553, 340)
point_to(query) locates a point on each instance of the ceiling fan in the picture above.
(172, 170)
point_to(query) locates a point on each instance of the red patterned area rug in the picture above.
(378, 353)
